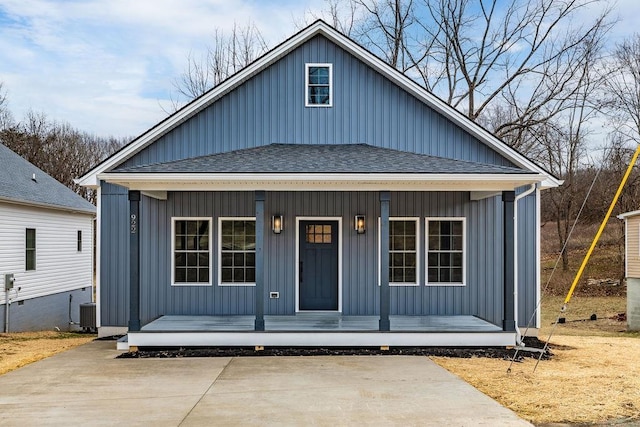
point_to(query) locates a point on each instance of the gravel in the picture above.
(462, 352)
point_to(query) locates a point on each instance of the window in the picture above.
(318, 79)
(403, 251)
(79, 240)
(445, 251)
(191, 263)
(237, 252)
(30, 252)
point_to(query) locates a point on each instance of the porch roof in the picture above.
(322, 167)
(328, 158)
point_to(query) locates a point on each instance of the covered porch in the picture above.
(318, 329)
(366, 307)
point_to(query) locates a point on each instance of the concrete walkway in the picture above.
(87, 386)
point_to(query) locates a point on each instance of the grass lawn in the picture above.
(594, 376)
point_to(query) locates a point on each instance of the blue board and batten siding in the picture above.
(482, 295)
(269, 108)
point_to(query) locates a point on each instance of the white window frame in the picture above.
(173, 247)
(400, 218)
(34, 249)
(306, 84)
(464, 250)
(230, 218)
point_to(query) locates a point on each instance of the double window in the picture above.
(445, 251)
(318, 85)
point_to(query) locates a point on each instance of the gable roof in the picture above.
(17, 185)
(90, 179)
(328, 159)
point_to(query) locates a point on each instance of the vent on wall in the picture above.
(88, 316)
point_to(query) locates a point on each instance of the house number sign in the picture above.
(133, 223)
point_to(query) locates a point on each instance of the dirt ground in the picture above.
(22, 348)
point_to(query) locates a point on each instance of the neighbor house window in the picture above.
(319, 91)
(403, 251)
(445, 251)
(30, 252)
(237, 251)
(191, 263)
(79, 242)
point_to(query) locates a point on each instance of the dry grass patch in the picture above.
(21, 348)
(589, 380)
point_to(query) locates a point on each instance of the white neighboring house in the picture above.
(46, 243)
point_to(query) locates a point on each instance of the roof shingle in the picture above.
(16, 184)
(334, 158)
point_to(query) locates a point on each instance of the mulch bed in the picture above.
(462, 352)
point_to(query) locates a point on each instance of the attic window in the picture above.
(318, 85)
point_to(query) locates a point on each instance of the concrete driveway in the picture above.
(88, 386)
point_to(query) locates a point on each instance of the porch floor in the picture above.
(319, 330)
(315, 322)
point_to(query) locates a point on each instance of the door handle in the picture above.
(300, 271)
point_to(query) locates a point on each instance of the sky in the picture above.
(107, 67)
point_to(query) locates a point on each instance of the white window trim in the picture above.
(306, 84)
(173, 247)
(399, 218)
(35, 249)
(297, 271)
(229, 218)
(464, 250)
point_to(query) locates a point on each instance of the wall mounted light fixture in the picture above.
(276, 224)
(360, 224)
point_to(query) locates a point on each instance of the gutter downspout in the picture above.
(531, 189)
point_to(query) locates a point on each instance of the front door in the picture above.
(318, 265)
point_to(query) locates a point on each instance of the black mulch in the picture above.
(464, 352)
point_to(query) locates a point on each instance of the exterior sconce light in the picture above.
(276, 224)
(360, 224)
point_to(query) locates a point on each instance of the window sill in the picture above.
(190, 284)
(236, 284)
(446, 284)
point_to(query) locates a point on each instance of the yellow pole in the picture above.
(604, 223)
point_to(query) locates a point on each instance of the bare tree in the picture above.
(341, 14)
(622, 85)
(6, 118)
(59, 149)
(228, 54)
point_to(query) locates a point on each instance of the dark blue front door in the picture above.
(318, 269)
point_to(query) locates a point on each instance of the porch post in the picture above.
(134, 260)
(259, 291)
(385, 294)
(508, 322)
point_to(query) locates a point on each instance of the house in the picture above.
(632, 267)
(46, 248)
(261, 212)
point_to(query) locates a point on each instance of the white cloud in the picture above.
(105, 66)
